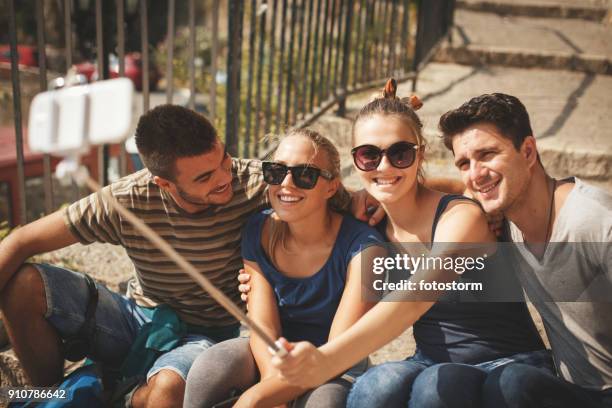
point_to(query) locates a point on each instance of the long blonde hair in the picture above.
(278, 229)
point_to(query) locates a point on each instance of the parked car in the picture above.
(27, 55)
(133, 70)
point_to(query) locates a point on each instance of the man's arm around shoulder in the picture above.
(43, 235)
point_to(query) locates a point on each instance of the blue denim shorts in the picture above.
(118, 320)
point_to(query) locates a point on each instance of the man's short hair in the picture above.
(506, 112)
(168, 132)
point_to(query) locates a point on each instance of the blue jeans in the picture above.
(413, 381)
(520, 385)
(118, 320)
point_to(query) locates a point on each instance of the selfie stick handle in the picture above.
(82, 177)
(280, 349)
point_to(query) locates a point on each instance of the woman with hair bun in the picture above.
(470, 337)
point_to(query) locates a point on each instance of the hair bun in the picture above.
(390, 89)
(415, 102)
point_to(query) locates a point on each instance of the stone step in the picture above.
(528, 42)
(520, 58)
(593, 10)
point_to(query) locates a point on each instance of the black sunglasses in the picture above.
(303, 176)
(401, 155)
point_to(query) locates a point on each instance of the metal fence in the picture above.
(267, 65)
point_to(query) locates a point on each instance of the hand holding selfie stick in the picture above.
(46, 119)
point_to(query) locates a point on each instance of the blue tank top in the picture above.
(307, 305)
(474, 332)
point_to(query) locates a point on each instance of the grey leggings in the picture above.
(230, 367)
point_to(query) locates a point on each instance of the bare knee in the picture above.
(24, 293)
(164, 389)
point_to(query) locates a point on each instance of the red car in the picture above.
(133, 70)
(27, 55)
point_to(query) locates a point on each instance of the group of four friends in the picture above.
(288, 223)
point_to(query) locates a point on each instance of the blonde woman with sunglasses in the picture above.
(305, 262)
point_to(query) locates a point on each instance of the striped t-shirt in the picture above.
(210, 240)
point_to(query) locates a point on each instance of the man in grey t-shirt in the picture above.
(495, 151)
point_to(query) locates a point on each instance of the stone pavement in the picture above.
(526, 42)
(535, 34)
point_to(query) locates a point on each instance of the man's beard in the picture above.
(195, 200)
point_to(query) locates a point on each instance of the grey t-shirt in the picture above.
(580, 270)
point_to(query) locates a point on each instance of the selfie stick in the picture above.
(70, 166)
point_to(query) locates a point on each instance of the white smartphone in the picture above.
(70, 120)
